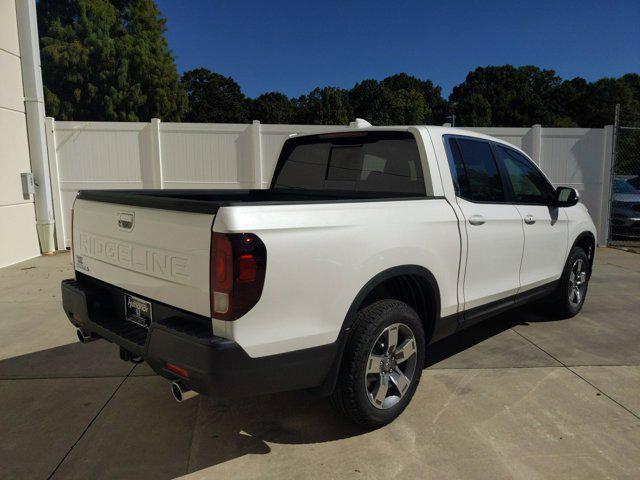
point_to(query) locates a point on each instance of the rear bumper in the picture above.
(216, 366)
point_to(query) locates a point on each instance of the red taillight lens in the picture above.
(238, 266)
(247, 269)
(176, 369)
(223, 276)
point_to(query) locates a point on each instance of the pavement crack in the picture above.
(90, 423)
(603, 393)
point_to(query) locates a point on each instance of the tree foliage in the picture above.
(323, 106)
(506, 96)
(593, 104)
(107, 60)
(503, 96)
(214, 98)
(273, 107)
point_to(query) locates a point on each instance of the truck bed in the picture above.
(209, 201)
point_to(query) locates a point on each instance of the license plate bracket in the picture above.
(138, 311)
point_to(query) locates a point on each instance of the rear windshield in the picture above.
(366, 162)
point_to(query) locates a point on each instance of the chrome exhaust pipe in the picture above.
(182, 393)
(86, 337)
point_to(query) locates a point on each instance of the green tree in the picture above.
(107, 60)
(400, 99)
(517, 96)
(566, 101)
(323, 106)
(382, 105)
(214, 98)
(272, 107)
(596, 105)
(476, 111)
(435, 107)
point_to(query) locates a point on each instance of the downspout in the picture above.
(34, 108)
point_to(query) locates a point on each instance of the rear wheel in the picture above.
(574, 282)
(382, 364)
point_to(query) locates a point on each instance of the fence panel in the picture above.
(116, 155)
(187, 151)
(94, 155)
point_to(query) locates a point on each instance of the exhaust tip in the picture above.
(181, 393)
(85, 337)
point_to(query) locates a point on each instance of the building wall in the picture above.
(18, 236)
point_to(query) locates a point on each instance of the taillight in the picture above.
(238, 266)
(176, 369)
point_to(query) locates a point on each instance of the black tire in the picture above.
(351, 396)
(560, 304)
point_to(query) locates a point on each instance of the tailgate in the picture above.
(159, 254)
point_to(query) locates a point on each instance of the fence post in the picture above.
(151, 159)
(54, 176)
(536, 144)
(256, 139)
(607, 178)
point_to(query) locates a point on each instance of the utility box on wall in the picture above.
(28, 185)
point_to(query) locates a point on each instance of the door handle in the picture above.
(529, 219)
(476, 219)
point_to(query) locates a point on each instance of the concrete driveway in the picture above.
(520, 396)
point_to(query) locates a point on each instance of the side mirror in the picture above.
(566, 197)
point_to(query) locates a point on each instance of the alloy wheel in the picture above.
(391, 366)
(577, 282)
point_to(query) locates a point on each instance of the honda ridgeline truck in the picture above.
(369, 245)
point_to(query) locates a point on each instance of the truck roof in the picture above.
(432, 130)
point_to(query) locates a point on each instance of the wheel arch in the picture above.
(587, 241)
(416, 281)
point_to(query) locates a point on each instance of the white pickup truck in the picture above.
(370, 245)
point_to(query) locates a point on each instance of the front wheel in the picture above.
(572, 290)
(382, 364)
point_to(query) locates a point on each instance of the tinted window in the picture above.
(475, 172)
(372, 162)
(345, 163)
(457, 167)
(527, 183)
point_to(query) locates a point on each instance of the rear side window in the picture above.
(475, 173)
(368, 162)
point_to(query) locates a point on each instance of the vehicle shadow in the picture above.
(228, 430)
(469, 337)
(211, 431)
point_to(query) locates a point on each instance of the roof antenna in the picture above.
(360, 123)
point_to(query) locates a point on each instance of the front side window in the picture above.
(367, 162)
(474, 170)
(527, 183)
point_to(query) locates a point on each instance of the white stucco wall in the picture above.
(18, 236)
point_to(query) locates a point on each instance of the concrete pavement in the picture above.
(519, 396)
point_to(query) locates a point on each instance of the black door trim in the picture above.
(477, 314)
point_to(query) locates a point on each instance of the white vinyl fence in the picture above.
(111, 155)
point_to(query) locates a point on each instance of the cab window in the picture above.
(527, 183)
(474, 170)
(384, 163)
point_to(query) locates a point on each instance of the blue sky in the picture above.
(294, 47)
